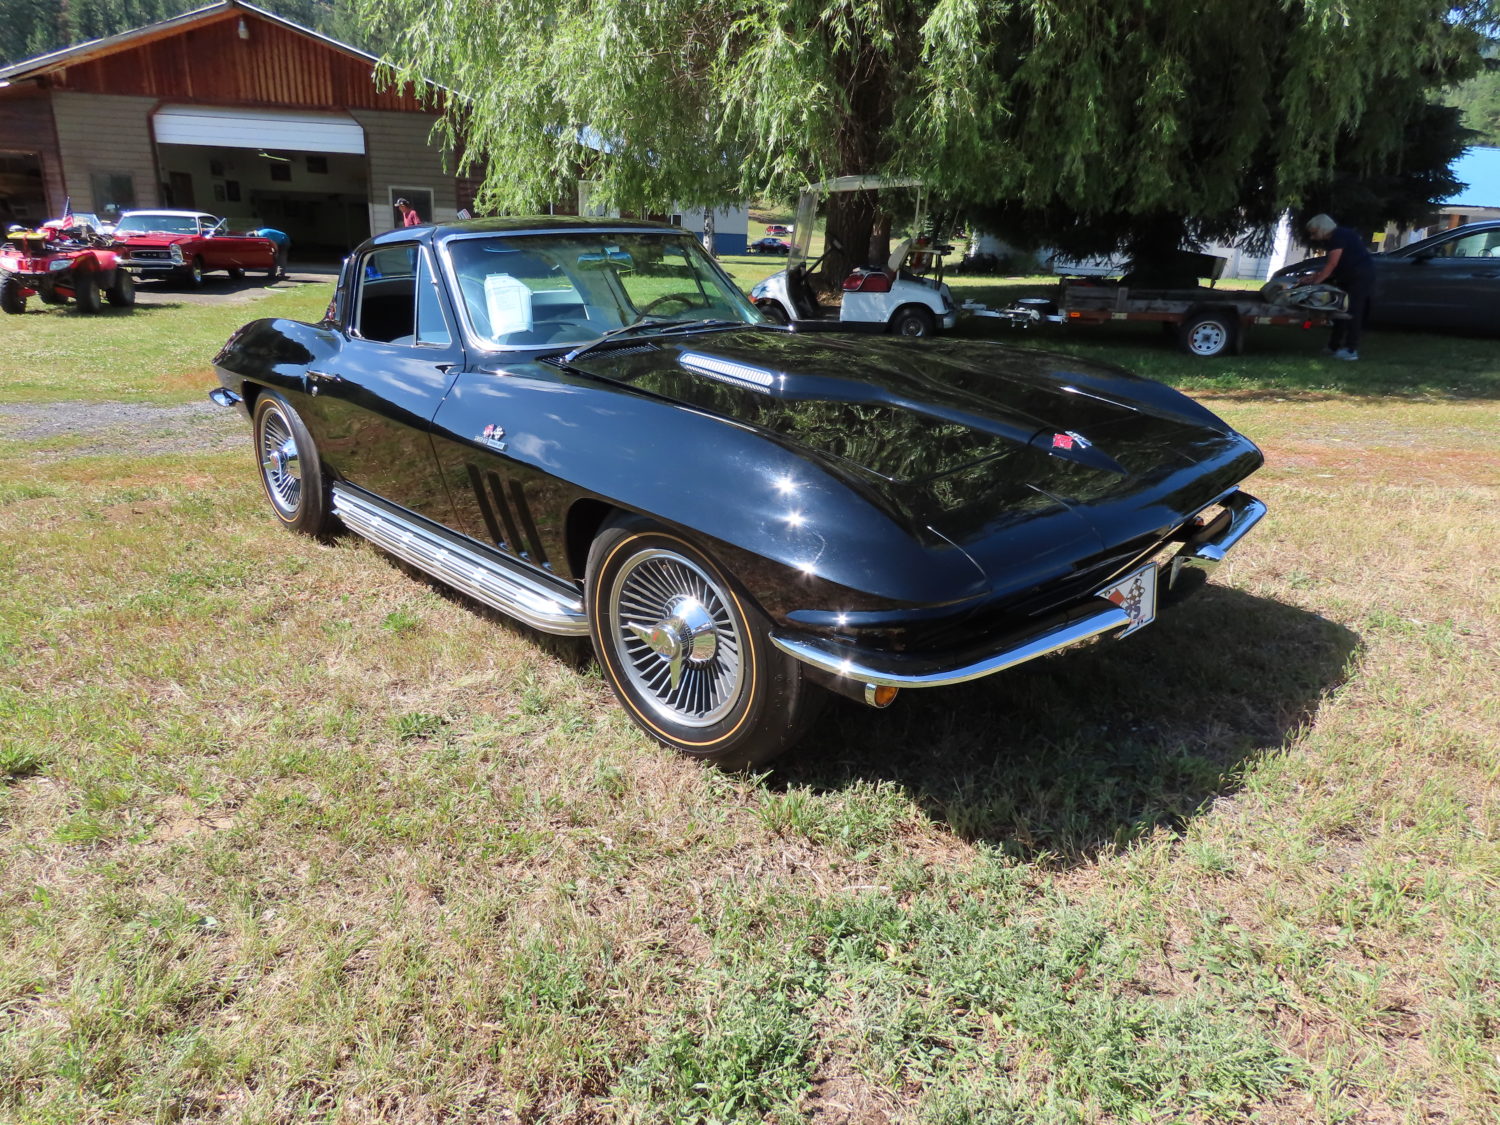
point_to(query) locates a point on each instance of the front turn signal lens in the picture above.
(880, 695)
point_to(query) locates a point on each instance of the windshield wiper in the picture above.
(624, 330)
(656, 322)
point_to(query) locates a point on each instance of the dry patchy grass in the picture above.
(290, 833)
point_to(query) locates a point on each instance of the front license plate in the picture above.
(1136, 595)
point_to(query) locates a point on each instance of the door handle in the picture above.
(316, 380)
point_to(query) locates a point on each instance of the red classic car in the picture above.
(188, 244)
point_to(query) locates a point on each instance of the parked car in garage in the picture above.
(741, 516)
(1448, 280)
(186, 245)
(769, 246)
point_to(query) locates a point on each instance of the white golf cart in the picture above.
(896, 297)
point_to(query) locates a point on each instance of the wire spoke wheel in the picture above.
(289, 467)
(280, 462)
(676, 638)
(686, 650)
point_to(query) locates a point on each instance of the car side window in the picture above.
(432, 328)
(386, 308)
(1480, 245)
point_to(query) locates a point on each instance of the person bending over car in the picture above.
(1351, 268)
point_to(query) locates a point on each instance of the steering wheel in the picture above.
(686, 300)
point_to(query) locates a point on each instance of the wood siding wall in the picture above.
(99, 133)
(26, 126)
(402, 155)
(211, 63)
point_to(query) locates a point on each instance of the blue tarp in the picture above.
(1479, 167)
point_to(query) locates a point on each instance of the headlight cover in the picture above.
(176, 253)
(59, 264)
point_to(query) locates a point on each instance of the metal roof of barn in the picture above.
(125, 40)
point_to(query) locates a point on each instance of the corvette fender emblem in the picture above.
(492, 436)
(1068, 439)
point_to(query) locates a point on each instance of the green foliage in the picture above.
(1478, 100)
(1081, 120)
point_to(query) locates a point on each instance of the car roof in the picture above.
(529, 224)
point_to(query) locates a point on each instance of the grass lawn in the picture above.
(290, 834)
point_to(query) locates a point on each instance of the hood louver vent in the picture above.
(740, 374)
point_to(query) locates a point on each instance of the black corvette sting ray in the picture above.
(585, 425)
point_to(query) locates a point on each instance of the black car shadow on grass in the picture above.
(1083, 751)
(1095, 747)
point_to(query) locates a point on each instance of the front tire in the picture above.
(290, 470)
(86, 293)
(11, 301)
(773, 312)
(687, 653)
(191, 274)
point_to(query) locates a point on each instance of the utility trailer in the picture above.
(1205, 321)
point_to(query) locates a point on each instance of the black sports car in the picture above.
(585, 425)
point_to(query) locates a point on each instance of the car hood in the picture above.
(950, 432)
(151, 238)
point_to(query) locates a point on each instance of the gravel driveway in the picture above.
(142, 428)
(220, 289)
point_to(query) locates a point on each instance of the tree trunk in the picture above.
(708, 232)
(851, 223)
(880, 239)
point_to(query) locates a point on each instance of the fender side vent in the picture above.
(507, 515)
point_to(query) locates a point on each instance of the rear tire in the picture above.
(687, 653)
(913, 320)
(86, 293)
(11, 301)
(290, 470)
(121, 293)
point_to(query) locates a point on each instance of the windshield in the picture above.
(565, 289)
(171, 224)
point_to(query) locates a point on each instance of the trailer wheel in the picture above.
(1207, 334)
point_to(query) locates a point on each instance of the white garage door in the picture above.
(220, 127)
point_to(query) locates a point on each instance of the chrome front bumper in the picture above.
(917, 670)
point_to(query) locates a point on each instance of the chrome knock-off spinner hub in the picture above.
(677, 640)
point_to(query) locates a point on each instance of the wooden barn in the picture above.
(228, 109)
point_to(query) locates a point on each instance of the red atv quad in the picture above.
(57, 265)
